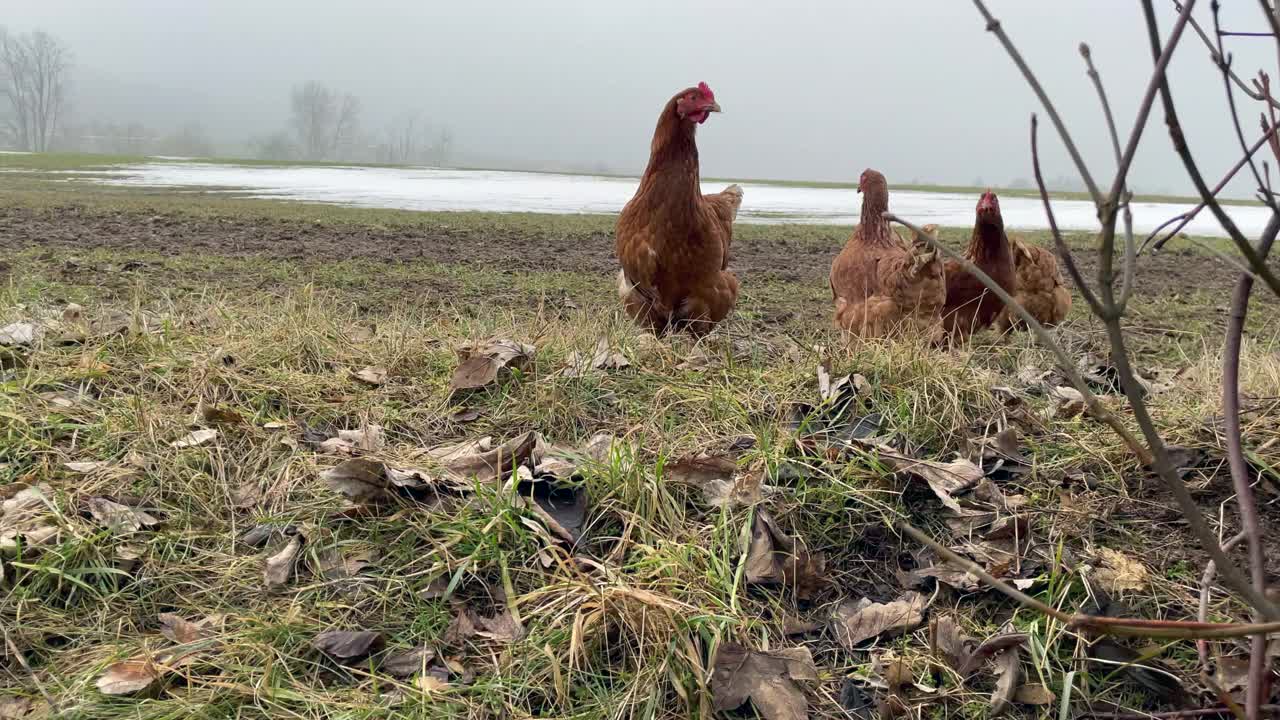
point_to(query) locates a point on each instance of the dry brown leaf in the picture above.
(430, 682)
(14, 707)
(348, 644)
(20, 333)
(1005, 641)
(768, 680)
(602, 358)
(1008, 672)
(957, 578)
(501, 628)
(407, 663)
(1231, 673)
(143, 674)
(481, 365)
(179, 630)
(368, 438)
(85, 467)
(855, 623)
(1034, 694)
(951, 643)
(195, 439)
(475, 460)
(214, 415)
(336, 566)
(358, 478)
(461, 628)
(280, 567)
(1068, 402)
(945, 479)
(718, 478)
(129, 677)
(372, 375)
(774, 558)
(119, 518)
(1118, 572)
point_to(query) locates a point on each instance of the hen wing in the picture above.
(724, 206)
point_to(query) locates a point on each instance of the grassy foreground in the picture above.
(164, 447)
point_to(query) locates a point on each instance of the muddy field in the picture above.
(785, 254)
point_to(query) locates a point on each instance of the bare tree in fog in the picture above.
(33, 83)
(276, 146)
(323, 121)
(410, 139)
(190, 140)
(404, 140)
(442, 148)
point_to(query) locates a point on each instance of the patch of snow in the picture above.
(438, 189)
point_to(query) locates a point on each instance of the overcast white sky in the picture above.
(812, 89)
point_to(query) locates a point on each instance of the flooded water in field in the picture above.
(504, 191)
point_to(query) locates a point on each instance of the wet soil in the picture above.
(764, 255)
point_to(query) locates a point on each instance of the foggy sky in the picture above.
(812, 89)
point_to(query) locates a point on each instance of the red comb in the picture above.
(706, 91)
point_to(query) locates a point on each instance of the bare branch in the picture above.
(1064, 361)
(1130, 256)
(993, 26)
(1094, 624)
(1224, 64)
(1187, 217)
(1213, 53)
(1064, 251)
(1258, 660)
(1193, 171)
(1154, 454)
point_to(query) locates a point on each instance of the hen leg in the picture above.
(708, 304)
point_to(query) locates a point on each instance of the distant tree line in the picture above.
(323, 123)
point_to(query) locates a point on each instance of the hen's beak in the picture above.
(715, 107)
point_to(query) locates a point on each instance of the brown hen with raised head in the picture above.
(673, 241)
(1040, 287)
(970, 305)
(881, 285)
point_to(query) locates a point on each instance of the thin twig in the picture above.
(993, 26)
(1193, 171)
(1258, 660)
(1064, 251)
(1213, 53)
(1095, 406)
(1154, 454)
(1206, 580)
(1224, 64)
(1093, 624)
(1104, 265)
(1190, 215)
(1172, 714)
(1158, 79)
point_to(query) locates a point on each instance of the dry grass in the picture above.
(623, 624)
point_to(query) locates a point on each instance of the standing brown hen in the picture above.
(673, 241)
(880, 284)
(970, 305)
